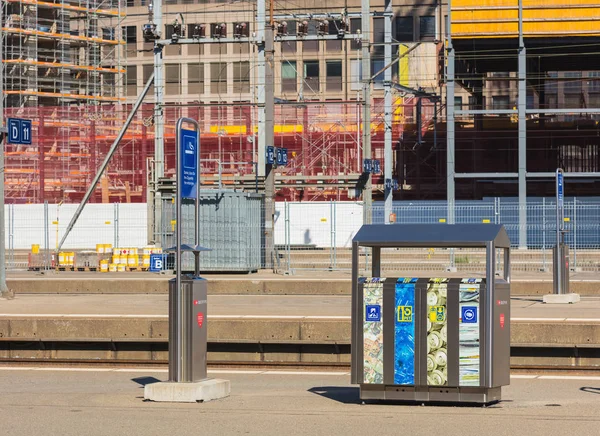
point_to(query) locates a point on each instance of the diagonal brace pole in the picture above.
(109, 155)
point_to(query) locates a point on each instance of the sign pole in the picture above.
(561, 293)
(560, 211)
(188, 186)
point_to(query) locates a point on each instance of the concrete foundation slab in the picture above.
(561, 298)
(172, 392)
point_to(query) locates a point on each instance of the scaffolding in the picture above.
(63, 70)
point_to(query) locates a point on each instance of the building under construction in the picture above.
(63, 67)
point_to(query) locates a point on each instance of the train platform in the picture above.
(289, 328)
(306, 282)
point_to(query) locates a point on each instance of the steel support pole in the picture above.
(260, 85)
(107, 159)
(269, 140)
(159, 123)
(450, 132)
(366, 109)
(3, 287)
(521, 107)
(387, 102)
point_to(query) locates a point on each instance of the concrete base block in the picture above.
(561, 298)
(205, 390)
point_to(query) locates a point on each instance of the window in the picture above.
(195, 78)
(573, 86)
(311, 76)
(355, 75)
(500, 102)
(355, 25)
(404, 29)
(458, 103)
(241, 77)
(376, 66)
(131, 80)
(130, 3)
(334, 76)
(288, 76)
(551, 84)
(219, 48)
(334, 27)
(594, 83)
(472, 103)
(311, 46)
(194, 49)
(218, 78)
(290, 46)
(172, 79)
(171, 49)
(129, 34)
(130, 37)
(427, 28)
(147, 70)
(378, 36)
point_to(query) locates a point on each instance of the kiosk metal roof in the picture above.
(432, 235)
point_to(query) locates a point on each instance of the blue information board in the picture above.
(270, 155)
(560, 188)
(188, 141)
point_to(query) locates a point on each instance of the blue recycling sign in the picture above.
(188, 141)
(19, 131)
(469, 314)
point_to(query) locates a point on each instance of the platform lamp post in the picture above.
(188, 380)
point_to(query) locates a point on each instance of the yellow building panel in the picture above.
(499, 18)
(474, 4)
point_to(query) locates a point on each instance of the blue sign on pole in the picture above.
(158, 262)
(188, 141)
(26, 132)
(270, 155)
(284, 156)
(14, 131)
(376, 166)
(279, 157)
(367, 165)
(560, 188)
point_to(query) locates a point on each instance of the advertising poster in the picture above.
(437, 327)
(468, 332)
(373, 330)
(404, 332)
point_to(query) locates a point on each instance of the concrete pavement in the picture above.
(75, 402)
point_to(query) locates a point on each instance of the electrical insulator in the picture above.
(302, 28)
(199, 31)
(241, 30)
(323, 27)
(220, 31)
(282, 28)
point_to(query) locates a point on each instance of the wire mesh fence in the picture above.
(309, 235)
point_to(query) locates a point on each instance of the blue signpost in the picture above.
(188, 142)
(19, 131)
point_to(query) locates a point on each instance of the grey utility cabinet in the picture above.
(230, 224)
(431, 338)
